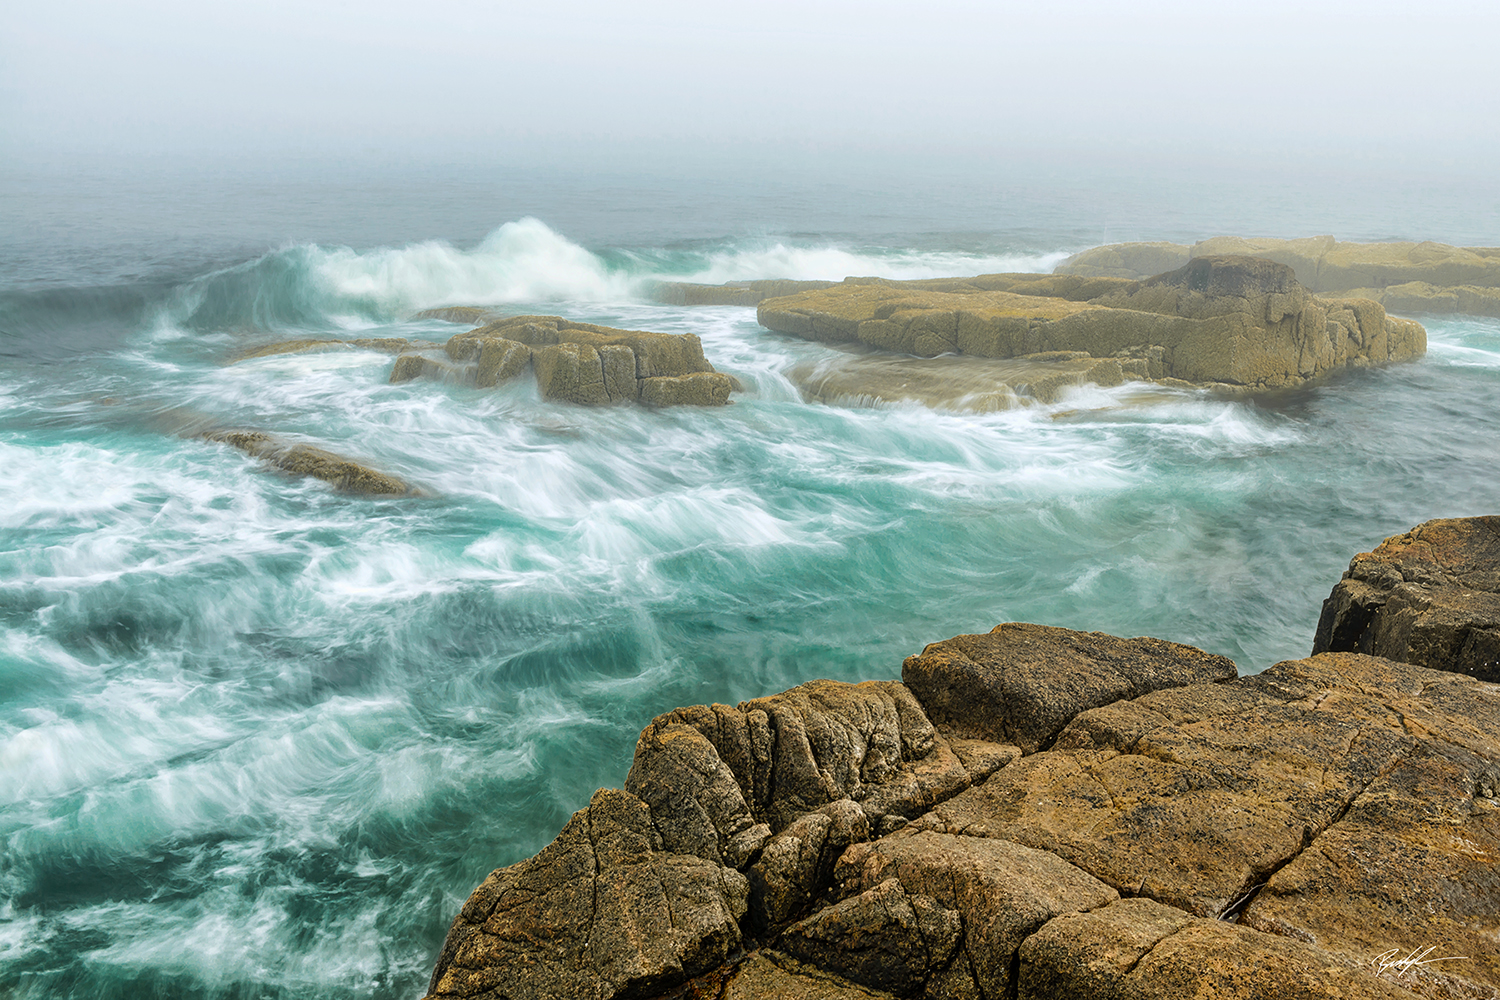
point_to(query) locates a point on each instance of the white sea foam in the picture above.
(524, 261)
(832, 262)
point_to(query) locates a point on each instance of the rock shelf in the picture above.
(1236, 322)
(1037, 812)
(572, 362)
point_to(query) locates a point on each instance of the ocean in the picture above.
(259, 739)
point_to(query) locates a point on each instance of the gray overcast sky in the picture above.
(83, 78)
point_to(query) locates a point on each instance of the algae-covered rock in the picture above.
(304, 459)
(1430, 596)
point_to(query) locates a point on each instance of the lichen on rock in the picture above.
(1154, 826)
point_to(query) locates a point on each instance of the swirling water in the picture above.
(259, 739)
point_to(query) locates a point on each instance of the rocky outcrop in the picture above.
(577, 363)
(1035, 813)
(573, 362)
(603, 911)
(1234, 321)
(1422, 277)
(302, 459)
(1044, 677)
(1430, 597)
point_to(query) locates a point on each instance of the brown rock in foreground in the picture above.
(1240, 322)
(1043, 677)
(1137, 949)
(1430, 597)
(1187, 833)
(602, 911)
(303, 459)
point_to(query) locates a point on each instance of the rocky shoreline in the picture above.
(1036, 812)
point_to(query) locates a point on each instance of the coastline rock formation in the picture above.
(1035, 813)
(579, 362)
(573, 362)
(1238, 322)
(1422, 277)
(1430, 596)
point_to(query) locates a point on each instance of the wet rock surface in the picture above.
(592, 365)
(1034, 813)
(1022, 683)
(1430, 597)
(302, 459)
(1238, 322)
(580, 363)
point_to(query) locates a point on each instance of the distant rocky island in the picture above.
(1233, 315)
(1041, 813)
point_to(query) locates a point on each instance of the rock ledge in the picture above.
(1040, 813)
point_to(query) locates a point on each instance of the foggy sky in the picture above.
(1322, 82)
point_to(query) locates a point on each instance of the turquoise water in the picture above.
(259, 739)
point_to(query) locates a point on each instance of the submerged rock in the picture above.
(303, 459)
(1152, 825)
(386, 345)
(731, 293)
(978, 385)
(1239, 322)
(1430, 597)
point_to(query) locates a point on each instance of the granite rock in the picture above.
(302, 459)
(1430, 596)
(601, 912)
(1237, 322)
(1021, 683)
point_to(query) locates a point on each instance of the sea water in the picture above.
(260, 739)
